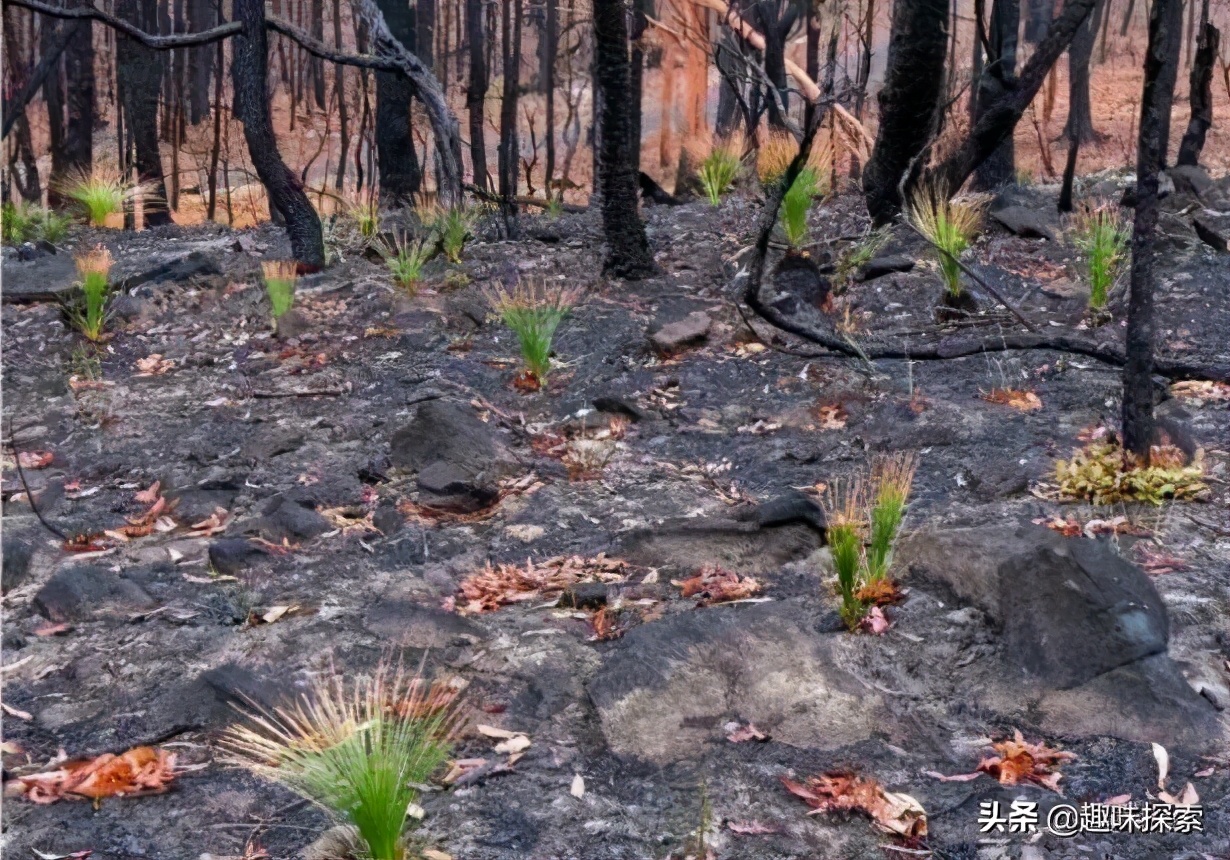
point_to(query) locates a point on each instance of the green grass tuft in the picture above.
(405, 260)
(796, 203)
(90, 317)
(533, 313)
(719, 170)
(280, 277)
(1102, 236)
(949, 225)
(25, 223)
(99, 192)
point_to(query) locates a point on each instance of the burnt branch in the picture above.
(158, 43)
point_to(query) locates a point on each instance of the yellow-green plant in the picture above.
(366, 217)
(533, 312)
(891, 477)
(1102, 236)
(796, 203)
(451, 227)
(844, 513)
(280, 277)
(862, 252)
(99, 191)
(1105, 474)
(405, 259)
(90, 317)
(949, 225)
(720, 169)
(360, 751)
(25, 223)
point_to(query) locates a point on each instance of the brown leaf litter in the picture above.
(140, 770)
(505, 584)
(1021, 762)
(895, 813)
(714, 584)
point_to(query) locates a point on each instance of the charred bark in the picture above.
(999, 119)
(249, 70)
(909, 101)
(997, 78)
(550, 33)
(628, 253)
(1161, 68)
(55, 40)
(506, 165)
(1201, 95)
(400, 173)
(201, 16)
(476, 93)
(79, 78)
(137, 75)
(1080, 53)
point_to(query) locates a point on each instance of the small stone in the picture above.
(388, 519)
(87, 591)
(688, 331)
(454, 488)
(288, 520)
(16, 564)
(878, 267)
(584, 595)
(524, 533)
(1216, 238)
(1024, 222)
(231, 556)
(292, 324)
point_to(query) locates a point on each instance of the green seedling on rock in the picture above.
(845, 513)
(366, 217)
(91, 316)
(451, 228)
(280, 277)
(533, 313)
(360, 751)
(892, 478)
(862, 253)
(949, 225)
(1105, 474)
(405, 260)
(1102, 237)
(719, 170)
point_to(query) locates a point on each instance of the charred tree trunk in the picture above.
(400, 173)
(775, 24)
(641, 11)
(476, 94)
(201, 16)
(1080, 53)
(317, 67)
(998, 77)
(1161, 64)
(1038, 20)
(1201, 95)
(249, 70)
(729, 98)
(627, 247)
(53, 95)
(998, 120)
(339, 87)
(138, 72)
(424, 45)
(550, 33)
(909, 101)
(509, 147)
(79, 76)
(54, 40)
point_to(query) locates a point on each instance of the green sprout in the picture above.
(719, 170)
(405, 260)
(91, 317)
(366, 217)
(451, 228)
(862, 252)
(796, 203)
(99, 192)
(892, 477)
(845, 524)
(533, 313)
(361, 754)
(949, 225)
(1103, 237)
(25, 223)
(280, 277)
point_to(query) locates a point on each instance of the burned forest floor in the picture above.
(251, 512)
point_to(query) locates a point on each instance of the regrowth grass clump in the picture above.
(1102, 236)
(796, 203)
(451, 228)
(360, 751)
(90, 317)
(779, 148)
(533, 313)
(864, 517)
(405, 259)
(366, 217)
(720, 169)
(280, 277)
(1105, 474)
(950, 225)
(99, 192)
(25, 223)
(862, 252)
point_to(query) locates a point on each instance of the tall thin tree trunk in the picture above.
(1161, 69)
(79, 75)
(249, 69)
(1201, 94)
(641, 9)
(317, 30)
(628, 253)
(425, 28)
(215, 153)
(138, 72)
(339, 88)
(201, 16)
(1080, 52)
(400, 173)
(476, 93)
(909, 101)
(1038, 20)
(999, 76)
(509, 147)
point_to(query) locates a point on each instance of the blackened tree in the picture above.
(999, 76)
(400, 174)
(138, 72)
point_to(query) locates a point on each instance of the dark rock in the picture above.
(743, 546)
(127, 308)
(1191, 179)
(1165, 187)
(28, 251)
(18, 550)
(584, 595)
(232, 556)
(49, 278)
(266, 447)
(798, 278)
(793, 507)
(448, 432)
(388, 519)
(665, 691)
(194, 264)
(412, 625)
(83, 592)
(878, 267)
(673, 336)
(451, 487)
(618, 406)
(285, 519)
(1215, 235)
(11, 639)
(194, 505)
(232, 684)
(1024, 222)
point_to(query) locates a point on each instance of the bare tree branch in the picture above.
(160, 43)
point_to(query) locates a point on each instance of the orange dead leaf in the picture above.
(211, 525)
(151, 495)
(895, 813)
(875, 622)
(713, 584)
(830, 416)
(881, 592)
(35, 459)
(1023, 401)
(506, 584)
(154, 365)
(1020, 762)
(737, 733)
(141, 770)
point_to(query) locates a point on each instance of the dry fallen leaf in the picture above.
(433, 854)
(737, 733)
(35, 459)
(513, 745)
(875, 622)
(1199, 389)
(749, 828)
(274, 613)
(1163, 765)
(577, 789)
(894, 813)
(713, 584)
(14, 712)
(493, 732)
(1021, 400)
(141, 770)
(830, 416)
(1020, 762)
(506, 584)
(154, 365)
(1188, 797)
(959, 777)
